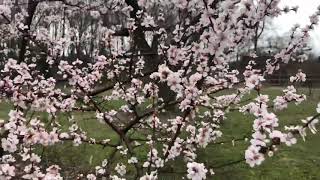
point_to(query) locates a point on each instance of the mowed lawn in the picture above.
(299, 162)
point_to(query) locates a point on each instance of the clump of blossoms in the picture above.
(169, 72)
(196, 171)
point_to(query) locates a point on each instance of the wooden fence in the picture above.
(281, 80)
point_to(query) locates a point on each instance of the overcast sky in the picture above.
(306, 8)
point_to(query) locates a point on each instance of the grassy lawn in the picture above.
(300, 161)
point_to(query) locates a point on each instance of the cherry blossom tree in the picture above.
(156, 57)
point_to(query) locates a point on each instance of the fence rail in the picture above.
(284, 79)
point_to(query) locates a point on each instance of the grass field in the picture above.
(299, 162)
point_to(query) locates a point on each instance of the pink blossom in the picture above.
(253, 157)
(196, 171)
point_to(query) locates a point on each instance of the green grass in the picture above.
(299, 162)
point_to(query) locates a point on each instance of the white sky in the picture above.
(286, 21)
